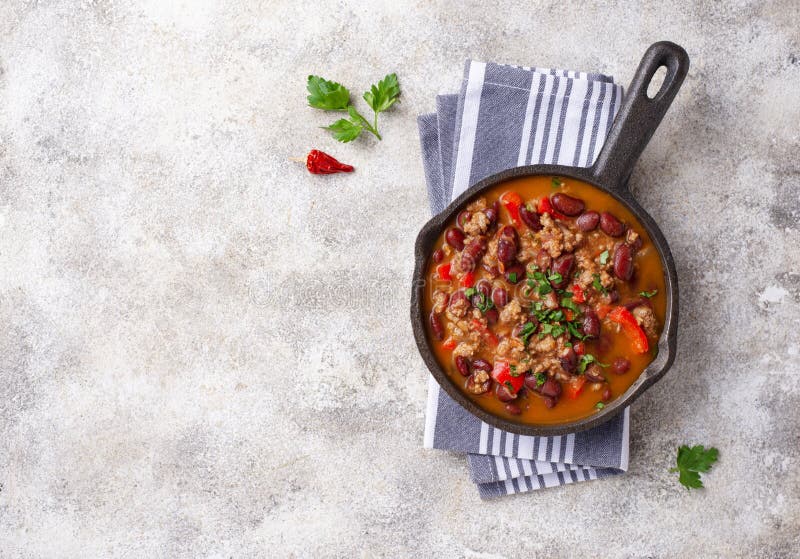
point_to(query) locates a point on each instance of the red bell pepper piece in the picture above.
(511, 202)
(485, 332)
(443, 271)
(546, 207)
(633, 331)
(574, 387)
(502, 374)
(577, 294)
(449, 343)
(579, 348)
(468, 280)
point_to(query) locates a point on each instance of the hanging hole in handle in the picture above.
(657, 82)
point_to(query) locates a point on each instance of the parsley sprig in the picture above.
(693, 460)
(333, 96)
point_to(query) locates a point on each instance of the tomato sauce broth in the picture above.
(645, 290)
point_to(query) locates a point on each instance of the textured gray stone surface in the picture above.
(205, 351)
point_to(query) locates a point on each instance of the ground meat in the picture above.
(512, 348)
(479, 383)
(467, 349)
(511, 313)
(439, 301)
(477, 224)
(646, 319)
(551, 237)
(478, 205)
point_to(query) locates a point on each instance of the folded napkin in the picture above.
(509, 116)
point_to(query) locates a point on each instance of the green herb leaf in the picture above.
(527, 331)
(693, 460)
(513, 370)
(599, 405)
(470, 291)
(648, 294)
(555, 277)
(568, 303)
(556, 182)
(540, 378)
(384, 94)
(587, 359)
(512, 277)
(345, 131)
(509, 385)
(604, 257)
(597, 285)
(327, 95)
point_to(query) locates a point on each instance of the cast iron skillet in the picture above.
(633, 127)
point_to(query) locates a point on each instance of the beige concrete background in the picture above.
(205, 351)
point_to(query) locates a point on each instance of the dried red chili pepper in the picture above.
(320, 163)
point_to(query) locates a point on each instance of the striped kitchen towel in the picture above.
(508, 116)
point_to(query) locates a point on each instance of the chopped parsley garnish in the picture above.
(556, 182)
(538, 282)
(587, 359)
(597, 285)
(604, 257)
(555, 277)
(512, 277)
(692, 461)
(527, 331)
(648, 294)
(484, 304)
(513, 370)
(470, 291)
(568, 303)
(599, 405)
(540, 378)
(509, 386)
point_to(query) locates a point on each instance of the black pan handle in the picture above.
(639, 115)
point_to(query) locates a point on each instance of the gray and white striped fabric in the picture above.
(508, 116)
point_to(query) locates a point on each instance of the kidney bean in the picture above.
(509, 234)
(436, 326)
(562, 265)
(484, 288)
(463, 218)
(531, 383)
(513, 409)
(457, 298)
(492, 316)
(620, 365)
(591, 324)
(499, 297)
(606, 395)
(531, 219)
(569, 360)
(438, 255)
(455, 238)
(482, 365)
(543, 259)
(462, 364)
(623, 262)
(476, 248)
(491, 215)
(613, 296)
(491, 270)
(518, 270)
(588, 221)
(549, 402)
(567, 204)
(504, 394)
(467, 262)
(506, 251)
(594, 373)
(551, 388)
(611, 225)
